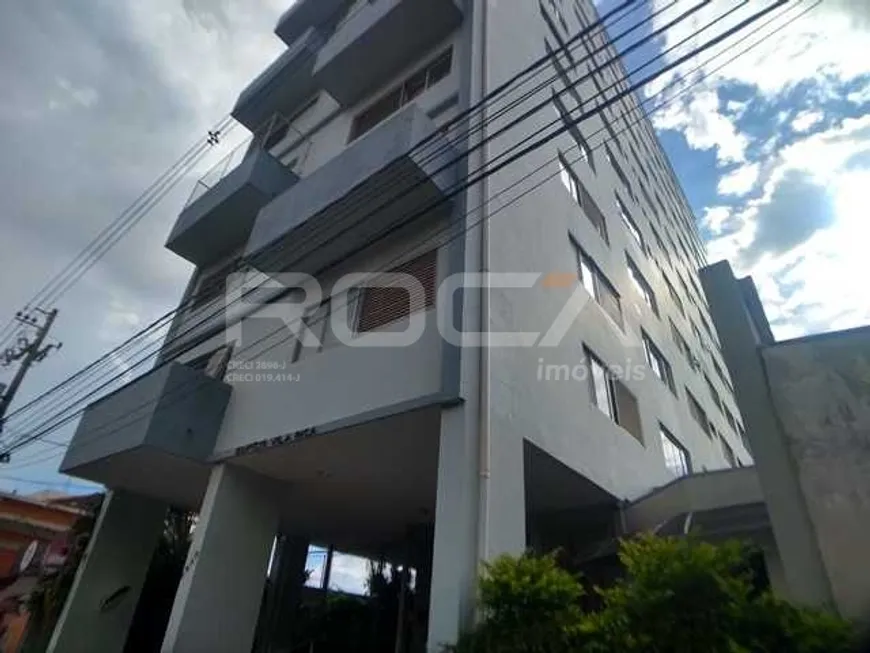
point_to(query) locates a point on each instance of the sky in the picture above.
(100, 97)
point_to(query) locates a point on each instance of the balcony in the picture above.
(305, 14)
(382, 181)
(224, 204)
(284, 86)
(377, 40)
(152, 436)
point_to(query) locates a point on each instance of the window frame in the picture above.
(642, 286)
(670, 442)
(658, 362)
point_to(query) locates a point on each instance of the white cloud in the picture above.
(736, 108)
(806, 120)
(716, 219)
(704, 126)
(824, 42)
(861, 96)
(740, 181)
(804, 240)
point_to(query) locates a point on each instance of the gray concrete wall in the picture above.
(338, 383)
(820, 387)
(792, 526)
(531, 235)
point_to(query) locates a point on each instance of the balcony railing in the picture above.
(221, 209)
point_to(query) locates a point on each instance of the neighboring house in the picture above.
(33, 541)
(436, 454)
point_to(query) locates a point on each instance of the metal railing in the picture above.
(269, 135)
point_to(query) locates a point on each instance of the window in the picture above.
(601, 391)
(563, 47)
(582, 197)
(743, 437)
(211, 284)
(657, 361)
(676, 457)
(612, 398)
(729, 417)
(597, 285)
(630, 224)
(582, 145)
(717, 400)
(698, 413)
(680, 341)
(721, 374)
(570, 86)
(675, 296)
(313, 334)
(642, 286)
(728, 452)
(407, 91)
(569, 181)
(381, 306)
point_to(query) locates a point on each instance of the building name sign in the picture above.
(277, 441)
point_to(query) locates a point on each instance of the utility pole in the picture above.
(28, 352)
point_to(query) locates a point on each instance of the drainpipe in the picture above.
(485, 453)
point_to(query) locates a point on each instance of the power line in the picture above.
(193, 328)
(671, 66)
(498, 91)
(61, 282)
(674, 64)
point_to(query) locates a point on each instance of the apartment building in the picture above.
(435, 419)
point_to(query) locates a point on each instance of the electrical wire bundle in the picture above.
(472, 127)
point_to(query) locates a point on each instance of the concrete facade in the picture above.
(361, 443)
(806, 404)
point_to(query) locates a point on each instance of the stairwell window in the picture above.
(630, 224)
(642, 286)
(698, 413)
(657, 362)
(612, 397)
(597, 285)
(676, 456)
(379, 307)
(582, 197)
(573, 130)
(404, 93)
(728, 452)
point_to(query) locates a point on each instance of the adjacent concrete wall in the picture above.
(820, 387)
(792, 525)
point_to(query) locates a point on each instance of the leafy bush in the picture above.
(529, 604)
(678, 596)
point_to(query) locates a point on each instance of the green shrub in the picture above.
(678, 595)
(528, 605)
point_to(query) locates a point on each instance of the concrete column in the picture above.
(458, 548)
(115, 565)
(218, 600)
(286, 580)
